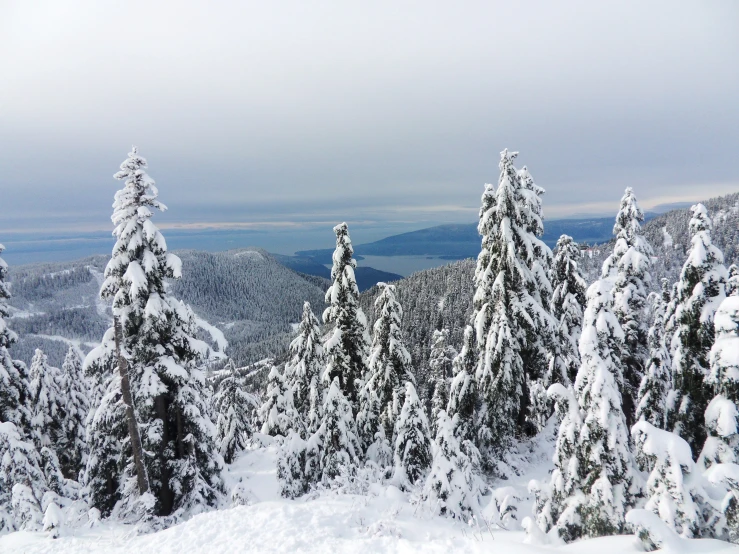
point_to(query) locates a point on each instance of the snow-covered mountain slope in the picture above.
(381, 520)
(246, 293)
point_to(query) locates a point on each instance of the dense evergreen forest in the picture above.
(129, 383)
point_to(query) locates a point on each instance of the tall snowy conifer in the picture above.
(47, 402)
(303, 372)
(463, 394)
(451, 487)
(440, 368)
(74, 389)
(722, 413)
(277, 414)
(334, 448)
(700, 290)
(557, 502)
(233, 406)
(347, 344)
(412, 454)
(21, 481)
(512, 325)
(657, 381)
(165, 360)
(628, 268)
(600, 494)
(13, 384)
(389, 363)
(568, 304)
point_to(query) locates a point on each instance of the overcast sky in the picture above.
(262, 113)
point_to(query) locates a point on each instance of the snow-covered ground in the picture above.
(383, 521)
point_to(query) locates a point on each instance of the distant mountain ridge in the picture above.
(460, 241)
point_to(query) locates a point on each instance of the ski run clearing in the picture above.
(383, 520)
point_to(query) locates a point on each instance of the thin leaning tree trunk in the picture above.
(133, 427)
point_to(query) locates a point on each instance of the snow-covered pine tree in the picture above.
(674, 490)
(303, 372)
(13, 385)
(20, 465)
(505, 313)
(47, 403)
(108, 443)
(463, 393)
(732, 283)
(541, 346)
(347, 344)
(500, 280)
(74, 388)
(164, 358)
(722, 413)
(604, 461)
(412, 454)
(233, 406)
(440, 369)
(334, 448)
(568, 304)
(277, 414)
(389, 365)
(700, 290)
(451, 488)
(628, 267)
(291, 467)
(557, 502)
(657, 380)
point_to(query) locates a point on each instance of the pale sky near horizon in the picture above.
(270, 114)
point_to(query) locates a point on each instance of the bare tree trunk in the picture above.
(133, 427)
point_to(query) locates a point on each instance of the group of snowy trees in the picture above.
(132, 433)
(642, 378)
(42, 434)
(345, 401)
(651, 421)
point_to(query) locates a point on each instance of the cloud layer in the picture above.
(382, 111)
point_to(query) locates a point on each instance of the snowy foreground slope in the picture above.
(384, 520)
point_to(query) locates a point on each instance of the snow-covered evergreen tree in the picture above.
(277, 413)
(722, 413)
(463, 393)
(451, 488)
(412, 453)
(13, 385)
(510, 320)
(294, 481)
(108, 442)
(674, 489)
(732, 283)
(233, 406)
(20, 466)
(334, 447)
(657, 380)
(389, 364)
(47, 402)
(347, 344)
(303, 372)
(699, 292)
(628, 267)
(556, 503)
(598, 483)
(165, 360)
(568, 304)
(441, 359)
(74, 389)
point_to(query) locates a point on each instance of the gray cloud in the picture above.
(381, 112)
